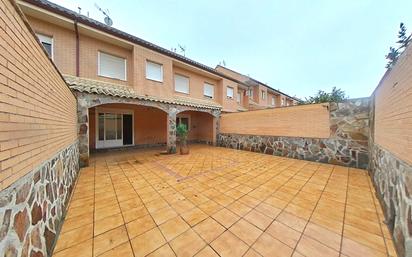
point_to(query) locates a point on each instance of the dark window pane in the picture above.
(101, 126)
(48, 48)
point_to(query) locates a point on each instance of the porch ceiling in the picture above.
(111, 89)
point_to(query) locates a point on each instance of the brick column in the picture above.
(171, 130)
(83, 128)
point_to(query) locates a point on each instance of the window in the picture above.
(239, 97)
(111, 66)
(208, 90)
(229, 92)
(263, 95)
(47, 43)
(154, 71)
(273, 101)
(181, 84)
(184, 119)
(283, 102)
(250, 92)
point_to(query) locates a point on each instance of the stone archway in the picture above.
(88, 100)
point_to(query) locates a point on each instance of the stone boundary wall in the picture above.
(32, 208)
(347, 144)
(392, 179)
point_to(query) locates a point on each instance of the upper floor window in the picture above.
(273, 100)
(229, 92)
(208, 90)
(181, 84)
(239, 97)
(154, 71)
(47, 43)
(111, 66)
(263, 94)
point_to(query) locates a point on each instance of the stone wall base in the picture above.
(32, 209)
(392, 179)
(350, 153)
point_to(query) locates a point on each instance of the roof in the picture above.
(258, 82)
(52, 7)
(110, 89)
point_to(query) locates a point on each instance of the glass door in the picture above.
(110, 130)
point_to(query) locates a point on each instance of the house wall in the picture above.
(391, 150)
(38, 140)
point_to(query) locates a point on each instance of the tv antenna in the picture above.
(182, 49)
(107, 20)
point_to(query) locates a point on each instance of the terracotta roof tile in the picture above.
(111, 89)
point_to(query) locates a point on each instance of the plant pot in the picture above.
(184, 149)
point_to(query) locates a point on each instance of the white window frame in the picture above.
(99, 144)
(283, 102)
(250, 92)
(99, 73)
(161, 71)
(227, 92)
(239, 97)
(204, 90)
(48, 40)
(263, 94)
(273, 101)
(188, 83)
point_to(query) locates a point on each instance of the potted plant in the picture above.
(181, 132)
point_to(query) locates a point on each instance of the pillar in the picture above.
(171, 130)
(83, 130)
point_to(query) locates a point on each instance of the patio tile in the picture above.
(246, 204)
(173, 228)
(258, 219)
(268, 246)
(209, 229)
(228, 244)
(140, 225)
(225, 217)
(187, 244)
(246, 231)
(148, 242)
(108, 223)
(109, 240)
(284, 233)
(74, 237)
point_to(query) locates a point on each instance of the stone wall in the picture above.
(347, 144)
(392, 179)
(32, 209)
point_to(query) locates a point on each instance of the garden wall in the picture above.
(391, 149)
(335, 133)
(38, 140)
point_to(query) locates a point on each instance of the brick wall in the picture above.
(393, 109)
(297, 121)
(37, 110)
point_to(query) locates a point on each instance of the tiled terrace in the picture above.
(221, 202)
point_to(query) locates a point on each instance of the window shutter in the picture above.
(181, 84)
(154, 71)
(208, 90)
(112, 66)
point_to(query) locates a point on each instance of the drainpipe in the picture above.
(76, 30)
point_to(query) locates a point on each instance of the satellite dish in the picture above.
(108, 21)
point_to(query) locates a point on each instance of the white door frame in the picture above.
(111, 143)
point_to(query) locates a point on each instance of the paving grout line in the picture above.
(317, 202)
(344, 215)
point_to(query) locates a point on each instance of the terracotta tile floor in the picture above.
(221, 202)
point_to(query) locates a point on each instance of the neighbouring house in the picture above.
(130, 92)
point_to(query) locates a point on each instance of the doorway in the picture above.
(114, 128)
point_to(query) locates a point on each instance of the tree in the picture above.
(392, 57)
(403, 39)
(337, 95)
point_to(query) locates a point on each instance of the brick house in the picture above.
(131, 92)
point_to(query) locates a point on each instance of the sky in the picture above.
(296, 46)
